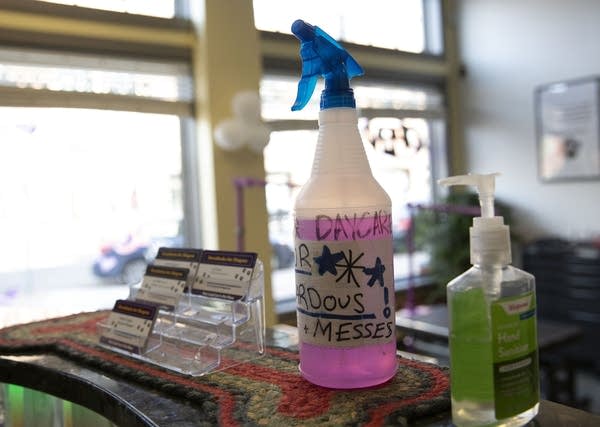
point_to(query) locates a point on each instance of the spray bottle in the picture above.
(343, 235)
(493, 337)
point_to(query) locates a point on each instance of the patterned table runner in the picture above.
(265, 391)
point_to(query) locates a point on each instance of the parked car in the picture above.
(126, 261)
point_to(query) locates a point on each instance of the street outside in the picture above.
(39, 294)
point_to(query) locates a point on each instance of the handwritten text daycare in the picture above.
(365, 226)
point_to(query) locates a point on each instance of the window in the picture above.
(160, 8)
(95, 145)
(143, 84)
(78, 183)
(402, 102)
(408, 25)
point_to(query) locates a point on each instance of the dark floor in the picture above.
(588, 389)
(585, 393)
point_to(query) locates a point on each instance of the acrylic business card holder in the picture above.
(205, 334)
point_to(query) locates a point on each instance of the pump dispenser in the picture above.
(490, 238)
(343, 235)
(492, 325)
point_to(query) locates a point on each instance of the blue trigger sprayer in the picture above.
(323, 56)
(343, 239)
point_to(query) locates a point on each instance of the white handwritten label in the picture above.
(345, 292)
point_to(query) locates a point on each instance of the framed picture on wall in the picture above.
(568, 129)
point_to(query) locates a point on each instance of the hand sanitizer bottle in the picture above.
(493, 338)
(343, 236)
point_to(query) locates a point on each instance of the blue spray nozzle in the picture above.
(323, 56)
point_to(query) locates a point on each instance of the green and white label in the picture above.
(515, 355)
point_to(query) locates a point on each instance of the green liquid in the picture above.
(470, 348)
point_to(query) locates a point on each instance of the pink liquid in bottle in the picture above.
(348, 368)
(345, 299)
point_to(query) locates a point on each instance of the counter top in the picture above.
(128, 402)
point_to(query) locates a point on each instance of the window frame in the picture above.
(130, 35)
(67, 29)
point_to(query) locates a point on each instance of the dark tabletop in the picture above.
(129, 404)
(433, 321)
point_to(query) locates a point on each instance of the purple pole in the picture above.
(239, 230)
(410, 242)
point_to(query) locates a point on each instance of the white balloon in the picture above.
(246, 128)
(229, 135)
(258, 138)
(246, 106)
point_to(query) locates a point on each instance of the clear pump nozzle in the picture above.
(490, 238)
(485, 184)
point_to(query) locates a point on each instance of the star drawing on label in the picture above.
(349, 265)
(376, 273)
(327, 261)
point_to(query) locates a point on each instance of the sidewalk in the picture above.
(37, 305)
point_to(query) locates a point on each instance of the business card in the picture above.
(130, 324)
(179, 258)
(162, 286)
(224, 274)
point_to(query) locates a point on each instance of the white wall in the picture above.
(508, 48)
